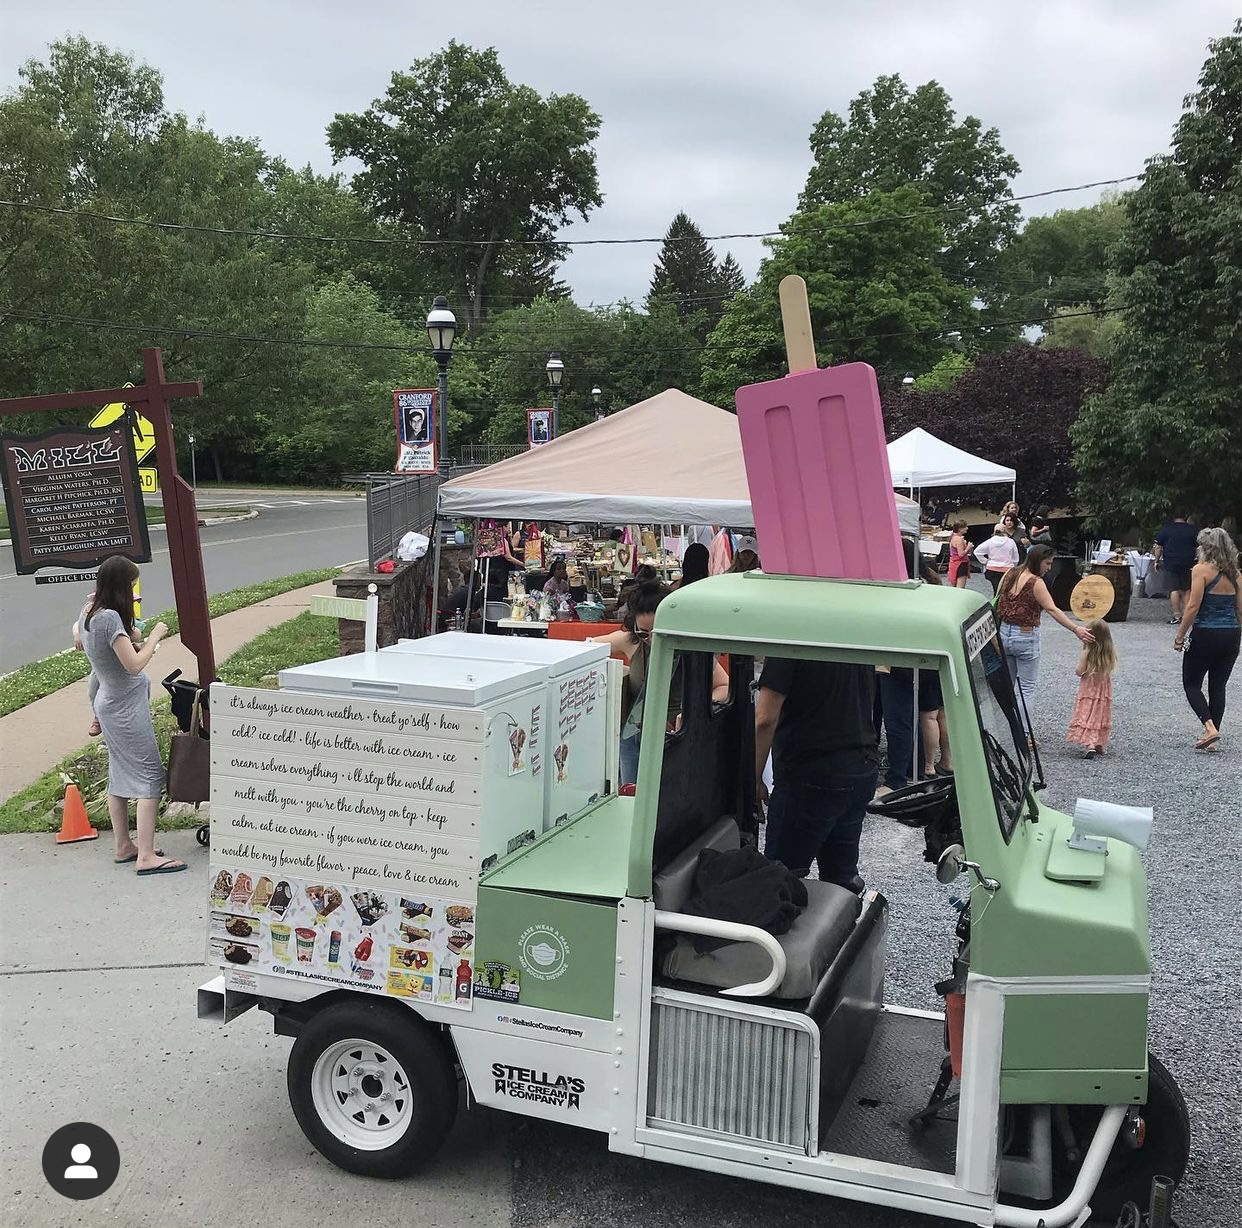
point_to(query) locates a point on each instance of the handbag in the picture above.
(189, 761)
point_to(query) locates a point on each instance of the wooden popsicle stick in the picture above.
(796, 320)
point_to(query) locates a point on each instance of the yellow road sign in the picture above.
(144, 432)
(148, 480)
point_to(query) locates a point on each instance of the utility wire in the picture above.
(385, 241)
(327, 343)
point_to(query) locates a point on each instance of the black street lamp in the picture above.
(441, 329)
(907, 380)
(596, 393)
(556, 373)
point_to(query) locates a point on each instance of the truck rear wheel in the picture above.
(373, 1088)
(1164, 1150)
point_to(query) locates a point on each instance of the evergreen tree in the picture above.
(730, 279)
(1168, 432)
(687, 277)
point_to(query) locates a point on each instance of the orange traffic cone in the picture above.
(75, 825)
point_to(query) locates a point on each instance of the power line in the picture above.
(385, 241)
(327, 343)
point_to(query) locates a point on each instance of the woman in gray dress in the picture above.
(123, 706)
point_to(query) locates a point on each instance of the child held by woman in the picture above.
(1092, 718)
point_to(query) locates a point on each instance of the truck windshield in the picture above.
(1000, 720)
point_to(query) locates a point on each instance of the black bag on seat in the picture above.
(743, 886)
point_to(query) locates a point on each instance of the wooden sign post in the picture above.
(150, 399)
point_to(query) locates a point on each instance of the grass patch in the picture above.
(298, 641)
(23, 686)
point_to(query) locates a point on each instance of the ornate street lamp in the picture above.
(441, 329)
(556, 373)
(596, 393)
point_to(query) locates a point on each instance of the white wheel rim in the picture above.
(362, 1094)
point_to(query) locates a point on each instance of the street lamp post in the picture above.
(596, 393)
(193, 466)
(907, 380)
(441, 329)
(556, 373)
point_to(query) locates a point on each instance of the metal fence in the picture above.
(396, 505)
(476, 455)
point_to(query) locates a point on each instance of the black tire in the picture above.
(421, 1086)
(203, 835)
(1129, 1170)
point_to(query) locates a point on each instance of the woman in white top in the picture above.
(1000, 552)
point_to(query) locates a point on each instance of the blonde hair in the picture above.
(1216, 547)
(1102, 654)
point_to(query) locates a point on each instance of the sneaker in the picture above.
(882, 791)
(1174, 622)
(1090, 754)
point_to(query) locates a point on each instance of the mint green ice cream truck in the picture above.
(564, 980)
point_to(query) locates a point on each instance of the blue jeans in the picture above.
(629, 758)
(1022, 650)
(821, 822)
(896, 690)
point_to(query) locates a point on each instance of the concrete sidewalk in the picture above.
(38, 736)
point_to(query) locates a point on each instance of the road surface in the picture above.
(290, 534)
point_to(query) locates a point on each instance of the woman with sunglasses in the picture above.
(633, 643)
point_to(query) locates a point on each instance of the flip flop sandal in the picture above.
(94, 729)
(1207, 743)
(124, 861)
(165, 867)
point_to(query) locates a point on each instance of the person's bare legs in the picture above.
(1175, 602)
(118, 812)
(946, 753)
(931, 739)
(148, 855)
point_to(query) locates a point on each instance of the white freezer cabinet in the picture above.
(507, 749)
(576, 687)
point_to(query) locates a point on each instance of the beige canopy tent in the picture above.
(671, 459)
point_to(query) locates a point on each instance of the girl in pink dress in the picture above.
(1092, 719)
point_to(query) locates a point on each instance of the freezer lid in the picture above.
(558, 657)
(419, 679)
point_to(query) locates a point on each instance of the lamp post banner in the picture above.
(73, 498)
(538, 426)
(414, 410)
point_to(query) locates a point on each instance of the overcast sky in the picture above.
(706, 107)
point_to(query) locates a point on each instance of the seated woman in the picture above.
(558, 581)
(633, 642)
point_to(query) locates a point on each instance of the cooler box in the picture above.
(573, 767)
(509, 751)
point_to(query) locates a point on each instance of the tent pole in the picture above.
(917, 744)
(1013, 492)
(487, 588)
(435, 573)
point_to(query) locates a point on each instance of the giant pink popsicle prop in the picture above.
(817, 463)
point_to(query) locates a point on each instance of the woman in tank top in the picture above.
(1021, 600)
(1212, 616)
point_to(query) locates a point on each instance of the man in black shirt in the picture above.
(816, 719)
(1175, 549)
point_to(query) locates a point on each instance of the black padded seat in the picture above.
(810, 944)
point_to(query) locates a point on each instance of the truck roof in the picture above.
(801, 611)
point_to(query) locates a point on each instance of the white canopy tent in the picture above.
(671, 459)
(919, 459)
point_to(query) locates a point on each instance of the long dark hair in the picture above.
(114, 590)
(694, 564)
(643, 599)
(1036, 556)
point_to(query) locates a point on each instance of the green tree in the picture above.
(337, 415)
(895, 138)
(730, 279)
(1168, 431)
(1080, 326)
(1061, 260)
(877, 293)
(460, 155)
(945, 373)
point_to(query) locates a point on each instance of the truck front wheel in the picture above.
(372, 1087)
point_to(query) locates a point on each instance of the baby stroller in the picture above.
(185, 694)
